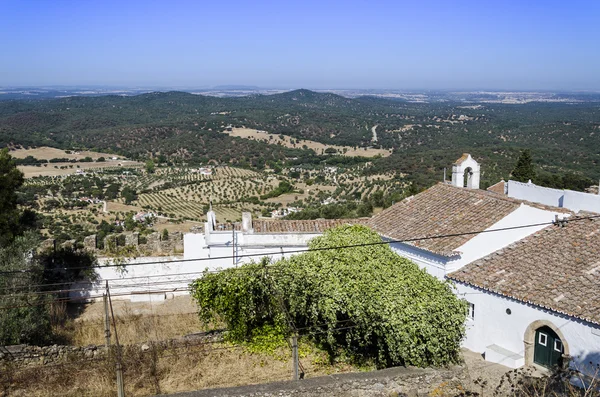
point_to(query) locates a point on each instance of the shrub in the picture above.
(367, 301)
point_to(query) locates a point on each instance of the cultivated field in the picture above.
(318, 147)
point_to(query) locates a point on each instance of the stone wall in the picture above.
(25, 355)
(391, 382)
(28, 356)
(155, 244)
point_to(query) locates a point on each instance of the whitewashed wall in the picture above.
(486, 243)
(535, 193)
(172, 275)
(169, 276)
(432, 263)
(579, 201)
(492, 325)
(569, 199)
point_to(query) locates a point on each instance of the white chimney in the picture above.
(247, 222)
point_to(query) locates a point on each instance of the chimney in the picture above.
(211, 221)
(247, 222)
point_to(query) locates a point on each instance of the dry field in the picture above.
(161, 369)
(47, 153)
(318, 147)
(49, 170)
(166, 371)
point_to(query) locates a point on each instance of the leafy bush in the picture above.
(367, 302)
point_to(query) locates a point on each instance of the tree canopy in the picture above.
(10, 180)
(367, 302)
(524, 171)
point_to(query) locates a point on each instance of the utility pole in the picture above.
(106, 320)
(295, 360)
(119, 367)
(233, 244)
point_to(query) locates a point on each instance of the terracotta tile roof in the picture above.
(305, 226)
(462, 158)
(442, 209)
(497, 187)
(557, 268)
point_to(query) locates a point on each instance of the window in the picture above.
(543, 339)
(471, 314)
(558, 345)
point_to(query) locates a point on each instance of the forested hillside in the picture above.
(424, 137)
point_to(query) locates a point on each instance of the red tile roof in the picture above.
(498, 188)
(442, 209)
(557, 268)
(304, 226)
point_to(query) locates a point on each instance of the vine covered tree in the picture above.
(366, 301)
(524, 171)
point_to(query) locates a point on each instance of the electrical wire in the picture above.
(303, 250)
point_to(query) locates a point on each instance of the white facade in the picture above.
(480, 245)
(569, 199)
(159, 278)
(143, 279)
(492, 325)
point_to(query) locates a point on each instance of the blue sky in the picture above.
(312, 44)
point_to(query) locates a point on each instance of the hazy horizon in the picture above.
(353, 45)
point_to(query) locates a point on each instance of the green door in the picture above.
(548, 348)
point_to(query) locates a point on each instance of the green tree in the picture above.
(10, 180)
(524, 171)
(366, 301)
(150, 167)
(26, 318)
(129, 195)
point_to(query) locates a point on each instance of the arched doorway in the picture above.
(548, 348)
(545, 345)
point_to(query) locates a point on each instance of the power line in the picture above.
(172, 281)
(92, 297)
(303, 250)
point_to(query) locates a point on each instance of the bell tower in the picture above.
(465, 172)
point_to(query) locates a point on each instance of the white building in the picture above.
(534, 292)
(230, 245)
(451, 209)
(537, 300)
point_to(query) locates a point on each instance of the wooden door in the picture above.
(548, 348)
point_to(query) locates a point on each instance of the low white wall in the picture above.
(569, 199)
(535, 193)
(194, 246)
(219, 246)
(579, 201)
(492, 325)
(171, 277)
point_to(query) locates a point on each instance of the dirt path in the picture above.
(374, 131)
